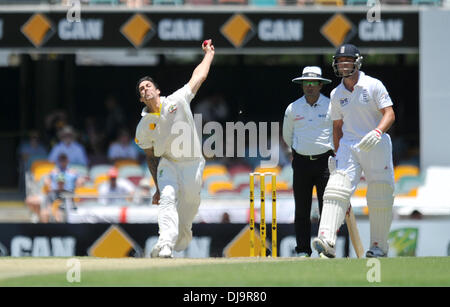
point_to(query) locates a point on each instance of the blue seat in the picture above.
(426, 2)
(263, 2)
(96, 2)
(356, 2)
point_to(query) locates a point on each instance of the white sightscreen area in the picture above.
(434, 88)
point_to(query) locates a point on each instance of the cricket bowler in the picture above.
(172, 146)
(361, 110)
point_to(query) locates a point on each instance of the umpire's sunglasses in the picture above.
(313, 83)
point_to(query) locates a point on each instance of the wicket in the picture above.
(262, 225)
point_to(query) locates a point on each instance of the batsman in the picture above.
(362, 113)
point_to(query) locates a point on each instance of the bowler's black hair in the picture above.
(145, 78)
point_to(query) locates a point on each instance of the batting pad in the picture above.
(336, 200)
(380, 200)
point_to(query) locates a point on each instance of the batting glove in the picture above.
(370, 140)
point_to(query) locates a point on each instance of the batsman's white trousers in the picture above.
(377, 163)
(180, 185)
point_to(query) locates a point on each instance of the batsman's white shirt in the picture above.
(360, 112)
(173, 136)
(359, 109)
(308, 129)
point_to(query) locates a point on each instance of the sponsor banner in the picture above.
(406, 238)
(413, 237)
(230, 31)
(137, 240)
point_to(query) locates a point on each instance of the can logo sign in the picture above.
(115, 243)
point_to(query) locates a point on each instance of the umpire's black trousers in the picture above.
(309, 171)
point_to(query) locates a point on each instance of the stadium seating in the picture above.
(356, 2)
(214, 169)
(131, 170)
(100, 179)
(98, 170)
(426, 2)
(125, 162)
(263, 2)
(241, 2)
(405, 170)
(85, 193)
(40, 163)
(168, 2)
(275, 170)
(330, 2)
(42, 170)
(239, 169)
(80, 169)
(220, 186)
(104, 2)
(408, 185)
(199, 2)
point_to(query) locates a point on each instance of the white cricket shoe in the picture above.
(155, 251)
(165, 252)
(323, 248)
(375, 252)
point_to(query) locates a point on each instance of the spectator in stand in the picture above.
(27, 151)
(31, 148)
(54, 122)
(51, 184)
(92, 138)
(213, 108)
(144, 192)
(69, 146)
(123, 148)
(136, 3)
(115, 190)
(54, 201)
(115, 118)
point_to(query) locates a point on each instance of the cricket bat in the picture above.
(354, 233)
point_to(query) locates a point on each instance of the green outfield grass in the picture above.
(402, 271)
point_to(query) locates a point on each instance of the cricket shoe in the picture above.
(165, 252)
(323, 248)
(375, 252)
(303, 255)
(155, 251)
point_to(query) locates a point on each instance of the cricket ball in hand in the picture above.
(205, 43)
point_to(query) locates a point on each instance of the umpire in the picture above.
(308, 130)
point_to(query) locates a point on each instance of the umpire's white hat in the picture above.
(311, 73)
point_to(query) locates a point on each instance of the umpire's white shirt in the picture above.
(359, 109)
(308, 129)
